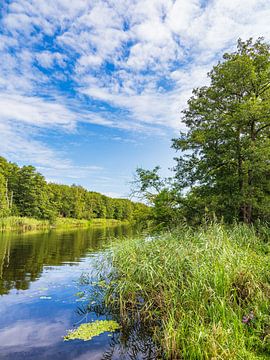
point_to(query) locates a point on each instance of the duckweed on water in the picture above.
(87, 331)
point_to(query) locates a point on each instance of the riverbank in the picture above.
(204, 294)
(14, 223)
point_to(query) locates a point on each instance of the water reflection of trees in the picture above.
(22, 256)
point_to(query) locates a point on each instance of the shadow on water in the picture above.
(133, 341)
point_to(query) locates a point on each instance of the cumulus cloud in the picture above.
(66, 62)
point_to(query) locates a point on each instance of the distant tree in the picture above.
(4, 197)
(225, 153)
(25, 192)
(31, 195)
(8, 173)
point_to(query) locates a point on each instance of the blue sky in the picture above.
(92, 89)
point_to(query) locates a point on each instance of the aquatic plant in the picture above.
(87, 331)
(205, 292)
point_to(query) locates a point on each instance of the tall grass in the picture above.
(26, 223)
(69, 223)
(206, 293)
(22, 223)
(107, 222)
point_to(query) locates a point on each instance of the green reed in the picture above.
(205, 292)
(25, 223)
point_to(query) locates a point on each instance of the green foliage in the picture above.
(225, 153)
(75, 201)
(147, 183)
(24, 192)
(4, 205)
(167, 210)
(87, 331)
(223, 170)
(204, 294)
(30, 195)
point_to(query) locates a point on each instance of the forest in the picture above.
(24, 192)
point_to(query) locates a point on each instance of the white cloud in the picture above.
(48, 59)
(21, 121)
(140, 57)
(35, 111)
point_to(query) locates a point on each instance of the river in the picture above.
(39, 285)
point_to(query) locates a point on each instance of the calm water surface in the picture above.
(39, 280)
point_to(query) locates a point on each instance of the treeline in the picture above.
(25, 192)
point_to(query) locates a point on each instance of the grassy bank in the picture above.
(206, 293)
(107, 222)
(27, 224)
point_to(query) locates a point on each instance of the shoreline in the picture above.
(15, 223)
(188, 282)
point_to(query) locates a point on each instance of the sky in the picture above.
(92, 89)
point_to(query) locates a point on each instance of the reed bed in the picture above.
(69, 223)
(205, 292)
(22, 223)
(107, 222)
(28, 224)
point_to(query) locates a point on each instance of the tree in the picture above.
(161, 194)
(225, 153)
(147, 184)
(4, 198)
(31, 195)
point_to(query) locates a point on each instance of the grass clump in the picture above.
(206, 293)
(87, 331)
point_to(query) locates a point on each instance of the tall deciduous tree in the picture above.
(31, 195)
(225, 154)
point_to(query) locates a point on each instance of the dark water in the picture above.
(39, 285)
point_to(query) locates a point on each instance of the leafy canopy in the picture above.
(225, 154)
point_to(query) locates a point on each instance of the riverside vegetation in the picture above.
(201, 284)
(25, 223)
(203, 294)
(203, 291)
(28, 202)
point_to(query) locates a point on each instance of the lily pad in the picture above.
(87, 331)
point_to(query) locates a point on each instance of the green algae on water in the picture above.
(87, 331)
